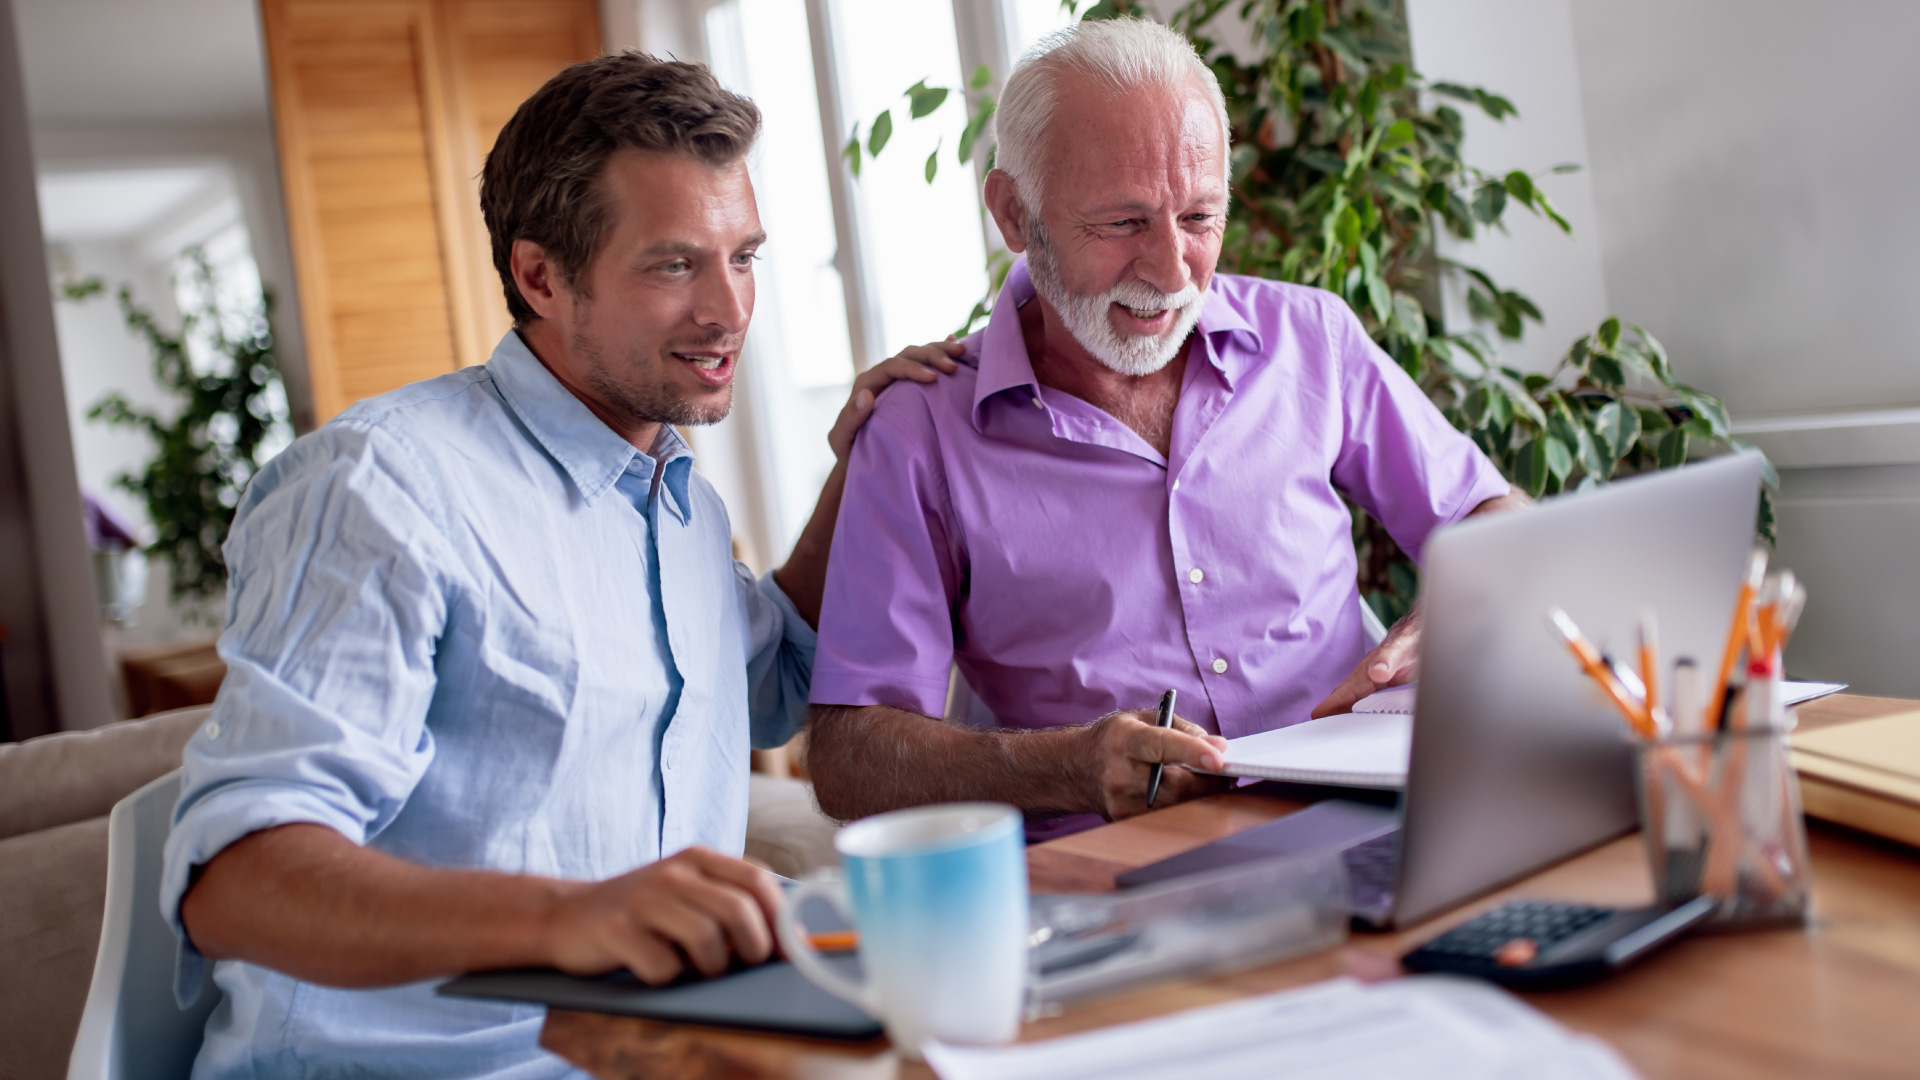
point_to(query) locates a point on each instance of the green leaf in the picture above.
(1494, 105)
(1346, 228)
(933, 163)
(1673, 448)
(975, 126)
(1489, 202)
(1520, 186)
(1559, 458)
(852, 152)
(923, 99)
(1609, 332)
(1605, 370)
(1709, 410)
(1618, 426)
(1552, 212)
(1400, 133)
(1379, 297)
(1477, 406)
(1530, 469)
(981, 77)
(882, 131)
(1411, 317)
(1499, 408)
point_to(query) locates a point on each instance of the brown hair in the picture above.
(541, 181)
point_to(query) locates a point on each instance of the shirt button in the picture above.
(212, 729)
(1196, 576)
(1219, 667)
(1176, 485)
(1038, 404)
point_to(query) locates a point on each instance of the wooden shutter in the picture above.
(384, 111)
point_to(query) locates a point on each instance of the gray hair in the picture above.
(1123, 54)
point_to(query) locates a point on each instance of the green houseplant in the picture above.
(230, 411)
(1346, 164)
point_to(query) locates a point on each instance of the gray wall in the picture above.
(1751, 164)
(1754, 167)
(55, 665)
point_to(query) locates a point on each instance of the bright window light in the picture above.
(923, 241)
(760, 48)
(1030, 20)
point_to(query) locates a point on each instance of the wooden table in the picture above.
(1841, 999)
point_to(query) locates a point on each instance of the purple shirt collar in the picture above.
(1005, 365)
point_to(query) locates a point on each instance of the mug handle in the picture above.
(793, 939)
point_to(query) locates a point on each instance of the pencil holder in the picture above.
(1721, 817)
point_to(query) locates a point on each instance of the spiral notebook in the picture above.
(1368, 747)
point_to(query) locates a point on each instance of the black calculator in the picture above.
(1539, 944)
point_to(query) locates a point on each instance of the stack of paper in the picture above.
(1865, 774)
(1431, 1027)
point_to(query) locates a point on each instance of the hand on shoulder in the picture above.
(921, 363)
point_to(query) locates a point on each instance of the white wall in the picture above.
(1524, 51)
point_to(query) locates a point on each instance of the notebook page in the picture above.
(1357, 749)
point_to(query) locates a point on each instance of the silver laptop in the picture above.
(1517, 761)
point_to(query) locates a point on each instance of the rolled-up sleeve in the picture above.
(886, 621)
(336, 597)
(1399, 458)
(780, 650)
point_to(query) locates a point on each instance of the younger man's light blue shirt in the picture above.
(467, 628)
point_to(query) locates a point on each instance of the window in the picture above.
(853, 269)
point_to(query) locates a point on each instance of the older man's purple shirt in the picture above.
(1070, 570)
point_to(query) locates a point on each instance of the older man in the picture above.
(492, 671)
(1133, 484)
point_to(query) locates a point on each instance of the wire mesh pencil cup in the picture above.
(1721, 817)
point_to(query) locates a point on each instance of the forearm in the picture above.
(804, 575)
(306, 901)
(869, 759)
(1514, 499)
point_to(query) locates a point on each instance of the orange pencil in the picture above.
(835, 940)
(1736, 635)
(1596, 668)
(1650, 671)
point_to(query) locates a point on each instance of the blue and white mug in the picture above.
(939, 897)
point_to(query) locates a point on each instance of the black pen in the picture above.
(1164, 718)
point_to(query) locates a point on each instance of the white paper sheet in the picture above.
(1399, 699)
(1431, 1027)
(1355, 749)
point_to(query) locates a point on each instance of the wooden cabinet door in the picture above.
(496, 54)
(384, 111)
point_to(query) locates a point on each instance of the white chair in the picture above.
(132, 1029)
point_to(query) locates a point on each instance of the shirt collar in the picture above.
(593, 455)
(1005, 365)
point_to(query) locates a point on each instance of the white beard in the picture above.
(1087, 319)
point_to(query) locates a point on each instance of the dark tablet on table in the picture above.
(773, 997)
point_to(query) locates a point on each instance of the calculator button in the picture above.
(1516, 953)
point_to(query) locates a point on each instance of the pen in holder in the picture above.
(1720, 813)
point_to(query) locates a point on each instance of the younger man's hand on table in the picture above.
(1393, 662)
(1118, 753)
(694, 906)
